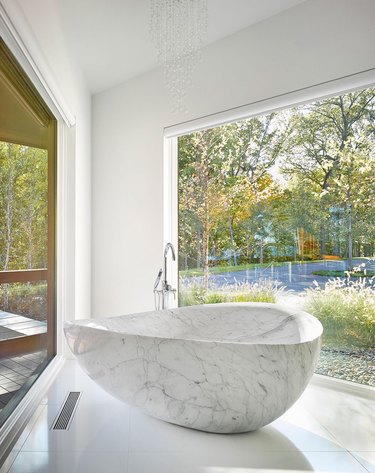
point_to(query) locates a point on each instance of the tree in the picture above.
(23, 208)
(199, 163)
(320, 133)
(222, 172)
(253, 147)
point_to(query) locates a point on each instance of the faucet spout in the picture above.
(162, 296)
(168, 247)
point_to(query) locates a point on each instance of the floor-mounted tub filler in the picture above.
(218, 368)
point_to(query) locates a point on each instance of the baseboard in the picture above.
(347, 387)
(15, 424)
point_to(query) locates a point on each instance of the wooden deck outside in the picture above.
(15, 369)
(13, 326)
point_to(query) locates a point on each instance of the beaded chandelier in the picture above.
(177, 28)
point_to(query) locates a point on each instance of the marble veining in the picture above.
(219, 368)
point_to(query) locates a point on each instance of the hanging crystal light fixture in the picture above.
(177, 28)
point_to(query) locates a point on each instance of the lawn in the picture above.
(344, 274)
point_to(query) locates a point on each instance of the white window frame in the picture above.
(302, 96)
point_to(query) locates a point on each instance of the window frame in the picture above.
(308, 94)
(13, 75)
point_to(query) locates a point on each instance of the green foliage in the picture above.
(23, 207)
(223, 268)
(212, 297)
(27, 299)
(222, 174)
(330, 156)
(235, 209)
(264, 291)
(195, 294)
(347, 312)
(343, 274)
(23, 223)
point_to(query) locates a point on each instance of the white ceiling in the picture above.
(111, 38)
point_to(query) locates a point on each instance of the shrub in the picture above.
(346, 309)
(192, 295)
(263, 291)
(27, 299)
(212, 297)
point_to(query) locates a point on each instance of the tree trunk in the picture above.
(249, 250)
(30, 237)
(233, 257)
(323, 248)
(199, 248)
(261, 251)
(206, 252)
(214, 252)
(350, 230)
(231, 235)
(9, 218)
(184, 245)
(301, 240)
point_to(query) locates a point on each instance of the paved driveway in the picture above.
(296, 277)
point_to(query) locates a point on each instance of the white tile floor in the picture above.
(325, 431)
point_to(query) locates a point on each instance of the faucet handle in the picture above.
(157, 280)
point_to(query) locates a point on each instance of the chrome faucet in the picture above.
(161, 296)
(168, 247)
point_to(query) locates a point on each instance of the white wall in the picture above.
(318, 40)
(38, 24)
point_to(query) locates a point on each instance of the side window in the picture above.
(27, 233)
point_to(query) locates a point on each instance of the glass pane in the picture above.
(27, 221)
(23, 207)
(27, 299)
(281, 208)
(16, 373)
(23, 246)
(23, 324)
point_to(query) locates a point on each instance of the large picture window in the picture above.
(281, 208)
(27, 233)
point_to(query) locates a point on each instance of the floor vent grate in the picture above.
(65, 415)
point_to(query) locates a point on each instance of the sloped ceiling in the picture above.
(110, 38)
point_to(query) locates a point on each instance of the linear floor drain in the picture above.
(65, 416)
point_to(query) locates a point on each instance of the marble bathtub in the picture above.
(218, 368)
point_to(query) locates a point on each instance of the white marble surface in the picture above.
(218, 368)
